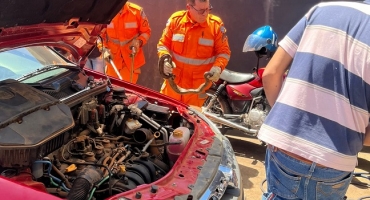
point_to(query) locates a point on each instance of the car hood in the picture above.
(69, 24)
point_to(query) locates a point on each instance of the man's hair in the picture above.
(192, 2)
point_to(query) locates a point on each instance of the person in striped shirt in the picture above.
(320, 113)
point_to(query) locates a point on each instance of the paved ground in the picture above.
(250, 155)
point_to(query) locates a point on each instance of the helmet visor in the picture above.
(255, 43)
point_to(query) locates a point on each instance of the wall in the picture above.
(241, 17)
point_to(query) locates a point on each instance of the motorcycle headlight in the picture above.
(227, 178)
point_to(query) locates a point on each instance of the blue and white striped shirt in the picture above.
(323, 108)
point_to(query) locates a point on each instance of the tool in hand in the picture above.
(171, 78)
(133, 54)
(108, 56)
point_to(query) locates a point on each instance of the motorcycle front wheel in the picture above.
(220, 107)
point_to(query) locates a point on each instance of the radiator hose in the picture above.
(84, 182)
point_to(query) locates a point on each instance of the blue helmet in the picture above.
(263, 41)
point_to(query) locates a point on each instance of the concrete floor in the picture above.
(250, 155)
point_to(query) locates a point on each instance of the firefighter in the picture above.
(124, 37)
(196, 41)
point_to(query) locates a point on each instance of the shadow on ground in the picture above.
(247, 174)
(251, 154)
(245, 148)
(363, 164)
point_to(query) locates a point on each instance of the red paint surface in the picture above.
(245, 88)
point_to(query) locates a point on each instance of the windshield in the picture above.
(16, 63)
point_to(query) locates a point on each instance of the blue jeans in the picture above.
(289, 178)
(96, 64)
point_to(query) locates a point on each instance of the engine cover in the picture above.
(255, 118)
(32, 124)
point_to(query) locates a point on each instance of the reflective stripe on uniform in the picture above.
(131, 25)
(142, 14)
(206, 42)
(162, 48)
(227, 57)
(178, 37)
(118, 42)
(193, 61)
(145, 35)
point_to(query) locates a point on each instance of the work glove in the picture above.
(216, 71)
(135, 45)
(107, 54)
(168, 67)
(99, 45)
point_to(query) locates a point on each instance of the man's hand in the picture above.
(107, 54)
(216, 71)
(168, 67)
(99, 45)
(135, 43)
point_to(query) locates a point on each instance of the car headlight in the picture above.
(227, 179)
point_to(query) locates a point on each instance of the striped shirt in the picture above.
(323, 108)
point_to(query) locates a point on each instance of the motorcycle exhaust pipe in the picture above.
(220, 120)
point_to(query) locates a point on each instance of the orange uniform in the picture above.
(194, 48)
(130, 23)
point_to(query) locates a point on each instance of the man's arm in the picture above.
(145, 30)
(273, 75)
(164, 43)
(222, 49)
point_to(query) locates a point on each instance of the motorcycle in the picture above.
(238, 100)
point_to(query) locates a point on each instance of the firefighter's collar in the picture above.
(187, 19)
(124, 9)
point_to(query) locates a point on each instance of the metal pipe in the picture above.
(220, 120)
(253, 100)
(115, 68)
(133, 54)
(147, 144)
(75, 94)
(230, 116)
(124, 157)
(156, 125)
(138, 112)
(142, 135)
(62, 176)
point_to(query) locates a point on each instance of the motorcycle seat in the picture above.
(236, 77)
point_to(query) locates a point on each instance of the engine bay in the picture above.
(91, 142)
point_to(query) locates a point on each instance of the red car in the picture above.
(71, 133)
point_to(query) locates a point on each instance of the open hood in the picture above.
(69, 24)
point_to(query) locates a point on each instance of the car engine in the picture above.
(85, 140)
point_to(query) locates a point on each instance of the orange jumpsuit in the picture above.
(131, 22)
(194, 48)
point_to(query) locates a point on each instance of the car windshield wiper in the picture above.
(46, 69)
